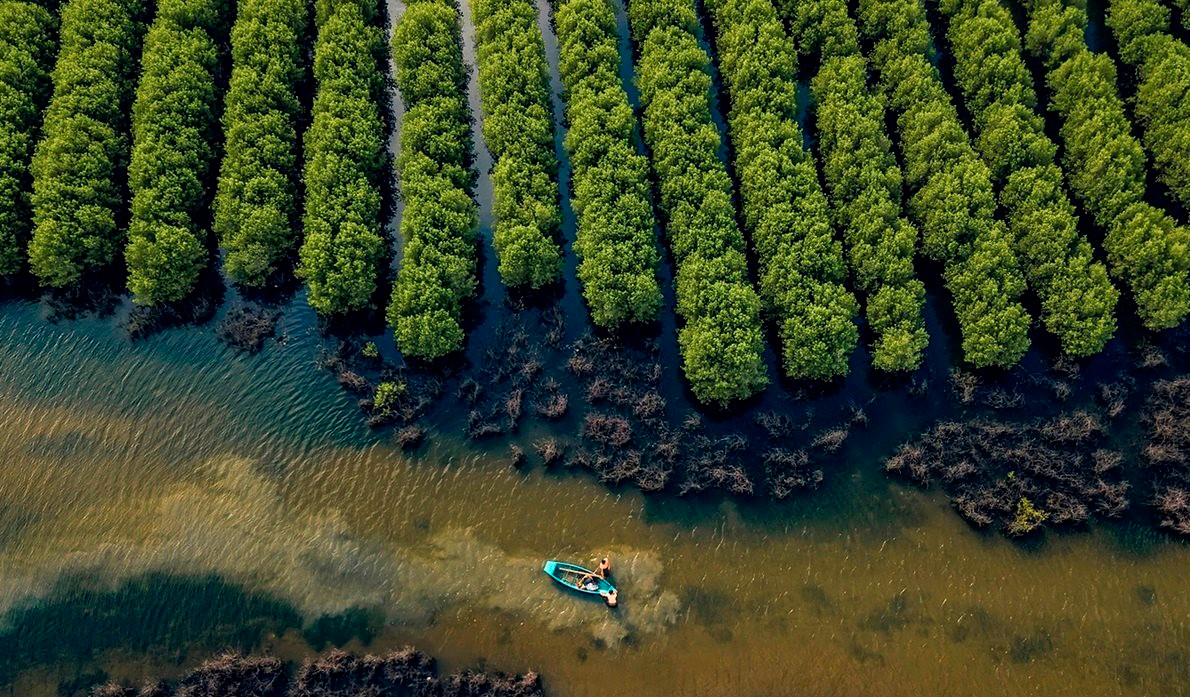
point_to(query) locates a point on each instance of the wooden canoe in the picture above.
(569, 575)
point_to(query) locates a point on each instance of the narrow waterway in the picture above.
(166, 499)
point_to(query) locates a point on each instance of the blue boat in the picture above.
(569, 575)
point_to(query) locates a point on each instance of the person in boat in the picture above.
(609, 596)
(605, 569)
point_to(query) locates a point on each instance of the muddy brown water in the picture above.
(168, 498)
(165, 499)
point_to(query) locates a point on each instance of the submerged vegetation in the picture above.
(333, 674)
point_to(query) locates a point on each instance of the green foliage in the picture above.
(1105, 166)
(370, 350)
(256, 212)
(386, 395)
(821, 27)
(439, 222)
(864, 183)
(26, 55)
(519, 130)
(785, 211)
(1028, 518)
(952, 199)
(721, 340)
(174, 129)
(79, 164)
(1163, 95)
(1077, 298)
(615, 241)
(343, 248)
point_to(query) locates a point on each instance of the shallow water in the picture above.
(165, 499)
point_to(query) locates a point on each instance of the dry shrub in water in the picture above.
(775, 424)
(965, 385)
(607, 429)
(1150, 357)
(712, 464)
(247, 327)
(554, 407)
(787, 471)
(650, 405)
(353, 381)
(990, 466)
(550, 450)
(1114, 397)
(409, 436)
(831, 440)
(1167, 452)
(513, 406)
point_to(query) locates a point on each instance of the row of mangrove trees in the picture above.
(127, 159)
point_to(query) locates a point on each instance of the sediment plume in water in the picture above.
(404, 673)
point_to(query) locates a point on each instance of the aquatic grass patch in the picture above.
(151, 613)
